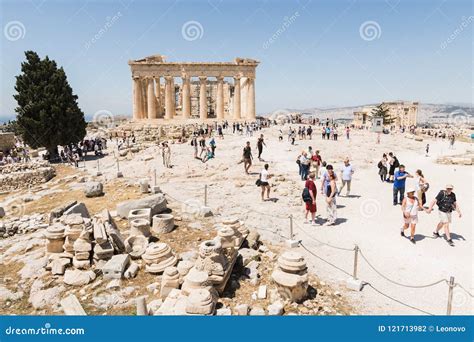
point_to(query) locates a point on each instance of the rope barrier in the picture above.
(322, 242)
(322, 259)
(462, 288)
(397, 283)
(399, 301)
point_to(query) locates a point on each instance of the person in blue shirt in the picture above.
(399, 184)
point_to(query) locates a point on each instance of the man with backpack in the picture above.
(446, 201)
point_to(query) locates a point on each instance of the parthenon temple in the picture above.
(214, 90)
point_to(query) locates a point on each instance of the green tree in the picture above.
(47, 114)
(382, 112)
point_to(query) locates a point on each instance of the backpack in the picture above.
(306, 195)
(446, 204)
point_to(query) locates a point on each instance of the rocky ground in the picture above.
(366, 218)
(27, 287)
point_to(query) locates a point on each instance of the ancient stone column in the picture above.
(186, 97)
(236, 98)
(243, 97)
(143, 83)
(159, 104)
(151, 99)
(220, 98)
(169, 98)
(251, 115)
(137, 99)
(203, 98)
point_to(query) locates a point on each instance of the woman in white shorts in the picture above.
(410, 207)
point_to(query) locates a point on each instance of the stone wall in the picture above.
(7, 141)
(25, 175)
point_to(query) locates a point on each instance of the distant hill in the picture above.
(427, 112)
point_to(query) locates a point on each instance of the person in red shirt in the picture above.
(311, 205)
(316, 160)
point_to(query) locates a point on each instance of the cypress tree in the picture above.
(47, 114)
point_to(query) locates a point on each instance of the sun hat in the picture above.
(449, 186)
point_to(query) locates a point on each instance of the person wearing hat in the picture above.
(410, 207)
(446, 201)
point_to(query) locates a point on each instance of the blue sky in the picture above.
(412, 50)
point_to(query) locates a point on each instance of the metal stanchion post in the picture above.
(356, 259)
(290, 243)
(98, 168)
(119, 174)
(353, 283)
(291, 227)
(450, 296)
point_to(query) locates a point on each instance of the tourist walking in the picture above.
(447, 203)
(202, 145)
(346, 176)
(260, 144)
(316, 162)
(304, 163)
(309, 197)
(247, 157)
(264, 184)
(383, 169)
(421, 186)
(212, 144)
(322, 170)
(194, 144)
(309, 132)
(399, 184)
(325, 178)
(394, 163)
(331, 191)
(410, 206)
(166, 154)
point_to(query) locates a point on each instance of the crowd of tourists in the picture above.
(331, 181)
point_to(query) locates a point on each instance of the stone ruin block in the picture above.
(135, 214)
(139, 226)
(291, 276)
(156, 203)
(116, 266)
(169, 281)
(162, 223)
(159, 256)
